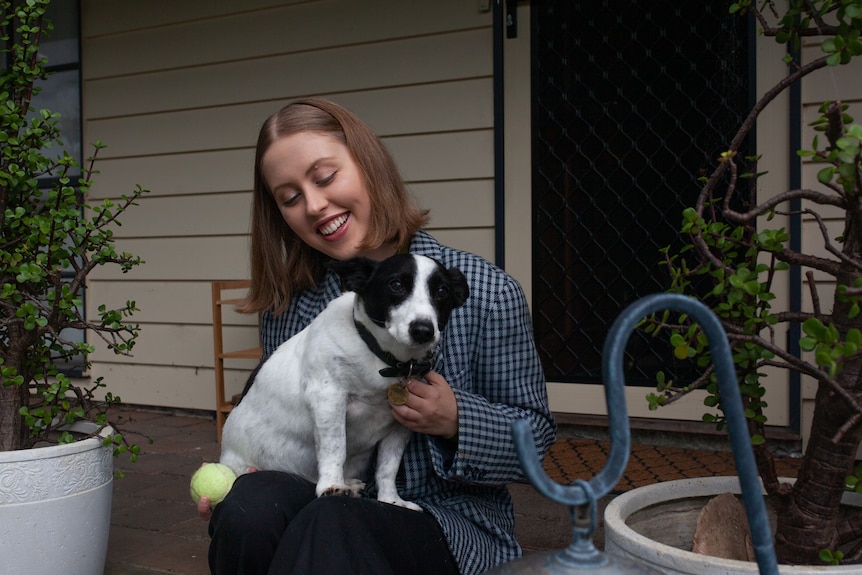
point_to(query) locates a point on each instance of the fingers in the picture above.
(435, 379)
(434, 386)
(204, 509)
(431, 407)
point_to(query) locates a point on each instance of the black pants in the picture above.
(272, 522)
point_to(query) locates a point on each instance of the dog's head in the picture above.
(409, 297)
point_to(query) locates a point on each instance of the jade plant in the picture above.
(736, 257)
(51, 241)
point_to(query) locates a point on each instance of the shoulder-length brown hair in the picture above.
(281, 263)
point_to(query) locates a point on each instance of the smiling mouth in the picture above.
(333, 226)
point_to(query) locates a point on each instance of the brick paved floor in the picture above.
(571, 459)
(155, 528)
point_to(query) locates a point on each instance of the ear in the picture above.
(458, 283)
(354, 273)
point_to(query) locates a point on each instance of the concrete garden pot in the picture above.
(654, 525)
(55, 507)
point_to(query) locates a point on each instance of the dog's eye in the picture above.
(442, 293)
(396, 286)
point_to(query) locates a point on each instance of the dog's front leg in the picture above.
(329, 408)
(389, 454)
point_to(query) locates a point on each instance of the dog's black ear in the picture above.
(354, 273)
(458, 283)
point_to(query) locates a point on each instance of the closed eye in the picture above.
(327, 180)
(291, 200)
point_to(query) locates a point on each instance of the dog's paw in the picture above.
(401, 503)
(356, 486)
(342, 491)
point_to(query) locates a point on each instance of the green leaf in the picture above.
(752, 287)
(826, 175)
(807, 343)
(815, 328)
(823, 356)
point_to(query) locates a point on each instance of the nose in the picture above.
(316, 202)
(421, 330)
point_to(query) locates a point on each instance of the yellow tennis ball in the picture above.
(212, 480)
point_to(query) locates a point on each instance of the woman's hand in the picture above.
(431, 407)
(204, 509)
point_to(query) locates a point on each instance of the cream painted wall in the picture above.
(178, 90)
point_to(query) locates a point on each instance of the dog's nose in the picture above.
(421, 330)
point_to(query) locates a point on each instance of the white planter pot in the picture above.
(55, 508)
(654, 525)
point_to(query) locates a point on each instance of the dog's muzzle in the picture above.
(421, 331)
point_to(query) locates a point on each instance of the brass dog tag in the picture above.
(397, 394)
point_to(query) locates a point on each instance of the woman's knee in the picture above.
(247, 526)
(262, 501)
(347, 535)
(340, 509)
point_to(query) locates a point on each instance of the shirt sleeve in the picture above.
(503, 382)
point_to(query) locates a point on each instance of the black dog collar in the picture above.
(402, 369)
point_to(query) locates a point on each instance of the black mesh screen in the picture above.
(632, 103)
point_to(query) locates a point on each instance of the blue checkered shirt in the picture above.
(488, 357)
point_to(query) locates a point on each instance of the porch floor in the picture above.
(155, 528)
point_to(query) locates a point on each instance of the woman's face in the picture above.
(320, 193)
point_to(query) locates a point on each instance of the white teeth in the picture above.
(333, 226)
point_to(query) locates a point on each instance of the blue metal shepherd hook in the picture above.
(581, 496)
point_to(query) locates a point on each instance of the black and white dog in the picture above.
(318, 405)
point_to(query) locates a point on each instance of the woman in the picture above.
(325, 187)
